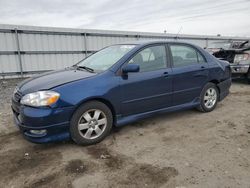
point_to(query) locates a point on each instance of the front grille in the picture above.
(17, 96)
(16, 102)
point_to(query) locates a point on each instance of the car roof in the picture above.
(146, 42)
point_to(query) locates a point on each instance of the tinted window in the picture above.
(185, 55)
(151, 58)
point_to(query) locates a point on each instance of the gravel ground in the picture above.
(181, 149)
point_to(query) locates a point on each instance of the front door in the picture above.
(150, 88)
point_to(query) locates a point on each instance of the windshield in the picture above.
(105, 58)
(223, 45)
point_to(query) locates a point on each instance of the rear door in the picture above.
(190, 73)
(151, 87)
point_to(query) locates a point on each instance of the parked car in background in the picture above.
(224, 45)
(117, 85)
(217, 46)
(237, 53)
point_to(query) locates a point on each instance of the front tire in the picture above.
(209, 98)
(91, 123)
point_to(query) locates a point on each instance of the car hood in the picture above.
(52, 79)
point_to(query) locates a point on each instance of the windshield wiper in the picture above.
(85, 68)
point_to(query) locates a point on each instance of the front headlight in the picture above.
(241, 57)
(40, 98)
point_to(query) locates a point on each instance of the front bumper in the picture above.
(239, 69)
(53, 123)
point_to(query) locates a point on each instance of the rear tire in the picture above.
(208, 98)
(91, 123)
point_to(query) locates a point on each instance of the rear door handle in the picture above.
(200, 73)
(203, 68)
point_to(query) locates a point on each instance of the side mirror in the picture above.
(130, 68)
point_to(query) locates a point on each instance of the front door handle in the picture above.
(165, 74)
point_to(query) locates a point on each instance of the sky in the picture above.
(203, 17)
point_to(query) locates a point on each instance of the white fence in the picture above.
(26, 50)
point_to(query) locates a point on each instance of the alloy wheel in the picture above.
(210, 97)
(92, 124)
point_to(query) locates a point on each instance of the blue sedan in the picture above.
(118, 85)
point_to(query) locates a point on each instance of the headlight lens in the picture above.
(40, 98)
(241, 57)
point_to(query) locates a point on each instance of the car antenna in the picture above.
(178, 33)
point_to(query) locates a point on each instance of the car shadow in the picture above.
(239, 81)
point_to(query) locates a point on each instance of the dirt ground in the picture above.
(180, 150)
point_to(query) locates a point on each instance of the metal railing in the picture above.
(86, 36)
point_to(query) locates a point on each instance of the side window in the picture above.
(185, 55)
(201, 58)
(151, 58)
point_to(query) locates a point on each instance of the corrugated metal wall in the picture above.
(27, 50)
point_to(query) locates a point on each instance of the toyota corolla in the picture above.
(118, 85)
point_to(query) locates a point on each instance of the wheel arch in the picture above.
(216, 82)
(102, 100)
